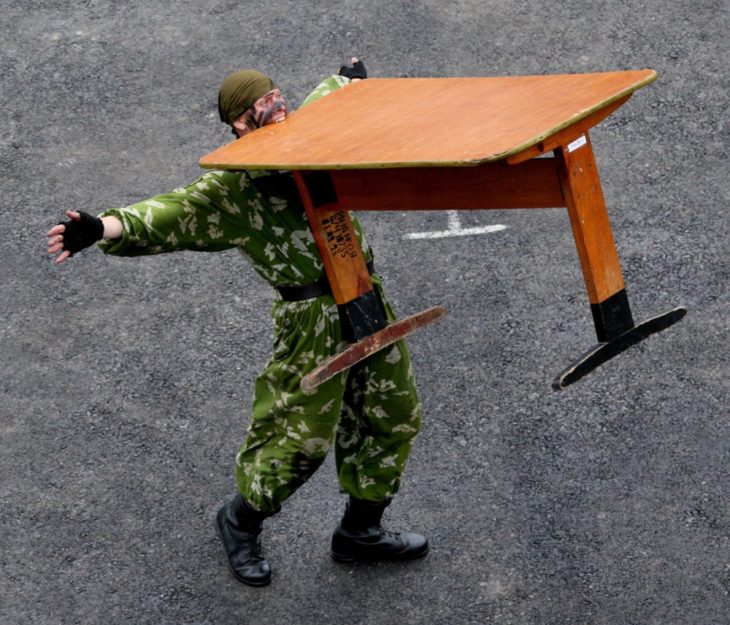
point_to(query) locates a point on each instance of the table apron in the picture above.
(532, 184)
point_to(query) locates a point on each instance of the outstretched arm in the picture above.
(214, 213)
(81, 231)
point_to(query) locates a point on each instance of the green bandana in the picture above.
(239, 91)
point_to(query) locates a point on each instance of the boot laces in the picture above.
(255, 548)
(390, 534)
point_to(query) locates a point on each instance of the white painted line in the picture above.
(454, 233)
(454, 230)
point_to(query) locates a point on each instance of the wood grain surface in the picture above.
(420, 122)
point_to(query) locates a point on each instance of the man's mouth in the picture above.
(275, 117)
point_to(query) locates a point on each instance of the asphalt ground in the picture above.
(126, 383)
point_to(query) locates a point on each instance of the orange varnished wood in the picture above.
(533, 184)
(565, 136)
(477, 137)
(338, 247)
(357, 352)
(589, 221)
(422, 122)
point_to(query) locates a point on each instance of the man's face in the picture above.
(270, 108)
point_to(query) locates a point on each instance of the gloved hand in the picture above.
(356, 71)
(81, 233)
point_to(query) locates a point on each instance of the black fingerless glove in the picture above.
(356, 71)
(82, 233)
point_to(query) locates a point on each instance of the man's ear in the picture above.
(240, 126)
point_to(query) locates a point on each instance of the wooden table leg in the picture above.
(361, 311)
(344, 264)
(594, 240)
(599, 261)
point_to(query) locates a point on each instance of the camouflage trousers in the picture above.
(370, 413)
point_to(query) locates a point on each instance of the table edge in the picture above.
(650, 78)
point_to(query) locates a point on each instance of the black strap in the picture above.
(321, 287)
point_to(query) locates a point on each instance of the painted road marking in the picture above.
(454, 229)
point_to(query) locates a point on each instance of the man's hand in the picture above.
(356, 72)
(69, 237)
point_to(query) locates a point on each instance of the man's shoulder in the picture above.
(225, 176)
(212, 179)
(242, 179)
(325, 87)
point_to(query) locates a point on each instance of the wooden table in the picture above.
(452, 144)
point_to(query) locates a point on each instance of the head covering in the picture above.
(239, 91)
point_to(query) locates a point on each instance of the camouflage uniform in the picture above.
(370, 413)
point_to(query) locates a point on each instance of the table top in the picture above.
(421, 122)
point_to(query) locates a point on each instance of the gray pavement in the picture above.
(125, 382)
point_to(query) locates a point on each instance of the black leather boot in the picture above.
(239, 527)
(359, 536)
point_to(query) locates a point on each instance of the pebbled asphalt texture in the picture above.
(126, 383)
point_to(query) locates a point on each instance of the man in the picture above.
(370, 413)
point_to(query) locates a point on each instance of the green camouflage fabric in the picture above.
(369, 413)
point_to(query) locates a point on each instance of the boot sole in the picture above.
(338, 557)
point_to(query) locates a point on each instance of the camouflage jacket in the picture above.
(257, 212)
